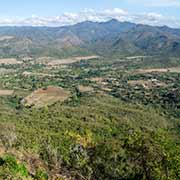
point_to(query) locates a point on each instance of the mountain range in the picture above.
(111, 38)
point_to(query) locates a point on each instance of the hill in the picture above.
(105, 38)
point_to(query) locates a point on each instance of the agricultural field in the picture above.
(159, 70)
(69, 118)
(58, 62)
(46, 96)
(9, 61)
(6, 92)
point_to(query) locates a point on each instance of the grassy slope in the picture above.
(87, 122)
(92, 132)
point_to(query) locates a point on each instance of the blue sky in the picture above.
(62, 12)
(26, 8)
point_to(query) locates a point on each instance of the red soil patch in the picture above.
(48, 96)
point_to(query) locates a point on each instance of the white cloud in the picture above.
(155, 19)
(92, 15)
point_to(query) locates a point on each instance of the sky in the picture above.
(67, 12)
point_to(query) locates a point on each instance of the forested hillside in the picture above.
(106, 39)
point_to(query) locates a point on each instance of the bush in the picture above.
(9, 167)
(41, 175)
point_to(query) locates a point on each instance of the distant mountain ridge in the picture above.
(104, 38)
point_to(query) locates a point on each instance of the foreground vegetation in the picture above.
(119, 122)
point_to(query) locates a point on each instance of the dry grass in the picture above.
(48, 96)
(6, 71)
(85, 88)
(135, 57)
(106, 89)
(97, 79)
(58, 62)
(28, 74)
(3, 38)
(175, 70)
(9, 61)
(147, 84)
(158, 70)
(70, 60)
(6, 92)
(27, 58)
